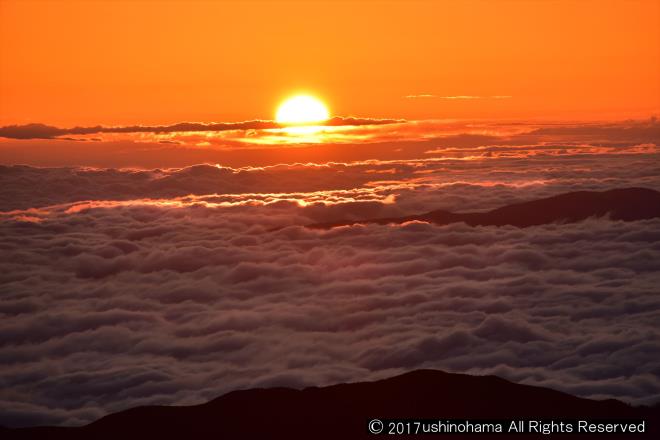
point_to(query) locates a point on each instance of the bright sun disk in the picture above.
(302, 109)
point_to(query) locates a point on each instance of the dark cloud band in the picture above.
(42, 131)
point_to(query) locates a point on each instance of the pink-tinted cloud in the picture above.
(162, 285)
(135, 305)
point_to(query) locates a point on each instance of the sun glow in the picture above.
(302, 109)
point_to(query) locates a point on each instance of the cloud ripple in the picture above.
(139, 305)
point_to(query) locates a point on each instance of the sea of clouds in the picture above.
(124, 287)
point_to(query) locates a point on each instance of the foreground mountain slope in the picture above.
(627, 204)
(342, 411)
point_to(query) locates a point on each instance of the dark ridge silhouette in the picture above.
(343, 411)
(625, 204)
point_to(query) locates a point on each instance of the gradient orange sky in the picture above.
(81, 63)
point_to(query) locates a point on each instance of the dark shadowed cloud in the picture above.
(42, 131)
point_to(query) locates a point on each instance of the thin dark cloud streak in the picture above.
(43, 131)
(459, 97)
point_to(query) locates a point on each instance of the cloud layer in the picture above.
(417, 186)
(43, 131)
(340, 140)
(111, 308)
(125, 287)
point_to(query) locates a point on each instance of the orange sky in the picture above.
(81, 63)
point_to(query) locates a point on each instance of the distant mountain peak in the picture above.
(625, 204)
(342, 411)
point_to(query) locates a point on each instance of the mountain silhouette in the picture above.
(343, 411)
(627, 204)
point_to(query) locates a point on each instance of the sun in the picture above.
(302, 109)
